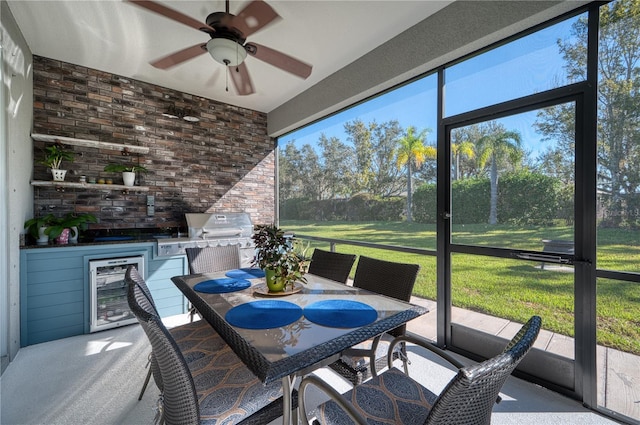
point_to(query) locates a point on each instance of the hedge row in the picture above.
(524, 198)
(361, 207)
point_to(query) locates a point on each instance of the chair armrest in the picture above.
(333, 395)
(426, 344)
(364, 352)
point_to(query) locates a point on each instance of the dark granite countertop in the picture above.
(110, 237)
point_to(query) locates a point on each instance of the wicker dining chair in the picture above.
(204, 383)
(331, 265)
(388, 278)
(211, 259)
(194, 339)
(394, 397)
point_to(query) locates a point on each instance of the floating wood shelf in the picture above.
(89, 143)
(89, 186)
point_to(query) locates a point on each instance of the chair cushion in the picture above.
(228, 391)
(358, 362)
(197, 340)
(355, 368)
(390, 398)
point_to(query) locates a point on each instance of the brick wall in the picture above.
(224, 162)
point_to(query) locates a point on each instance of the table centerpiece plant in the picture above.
(280, 256)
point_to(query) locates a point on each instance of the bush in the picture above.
(365, 207)
(524, 198)
(424, 204)
(471, 201)
(361, 207)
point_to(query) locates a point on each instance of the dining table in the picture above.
(288, 335)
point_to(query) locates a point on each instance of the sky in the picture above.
(526, 66)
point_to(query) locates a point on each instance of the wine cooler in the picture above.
(109, 307)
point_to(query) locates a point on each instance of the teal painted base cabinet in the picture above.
(55, 289)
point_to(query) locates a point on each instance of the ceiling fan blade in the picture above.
(254, 17)
(172, 14)
(241, 79)
(179, 56)
(279, 60)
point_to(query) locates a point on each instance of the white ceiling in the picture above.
(117, 37)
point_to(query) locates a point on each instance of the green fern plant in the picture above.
(55, 154)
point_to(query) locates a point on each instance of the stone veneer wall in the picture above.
(225, 162)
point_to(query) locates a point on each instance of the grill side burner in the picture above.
(216, 229)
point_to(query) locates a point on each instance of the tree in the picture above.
(289, 160)
(618, 106)
(557, 124)
(360, 135)
(498, 146)
(463, 151)
(387, 177)
(458, 150)
(311, 173)
(412, 152)
(374, 146)
(337, 166)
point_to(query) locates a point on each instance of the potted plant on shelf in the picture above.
(37, 228)
(54, 155)
(277, 255)
(128, 172)
(66, 229)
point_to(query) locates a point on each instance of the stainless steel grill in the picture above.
(213, 229)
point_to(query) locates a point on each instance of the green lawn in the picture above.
(512, 289)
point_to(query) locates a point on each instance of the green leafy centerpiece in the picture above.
(279, 257)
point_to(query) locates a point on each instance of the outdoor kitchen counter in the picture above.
(137, 239)
(55, 285)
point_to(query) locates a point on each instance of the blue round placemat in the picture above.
(220, 286)
(263, 314)
(245, 273)
(340, 313)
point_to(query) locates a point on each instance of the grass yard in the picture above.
(508, 288)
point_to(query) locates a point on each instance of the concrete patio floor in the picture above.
(619, 379)
(96, 378)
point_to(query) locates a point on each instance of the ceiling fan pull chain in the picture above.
(226, 74)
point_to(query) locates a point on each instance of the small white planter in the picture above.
(43, 238)
(73, 234)
(129, 178)
(58, 175)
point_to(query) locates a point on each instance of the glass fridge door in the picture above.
(109, 307)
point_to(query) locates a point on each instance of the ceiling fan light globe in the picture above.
(225, 51)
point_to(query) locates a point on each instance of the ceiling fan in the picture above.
(228, 44)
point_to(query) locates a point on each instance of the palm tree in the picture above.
(495, 147)
(458, 150)
(412, 152)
